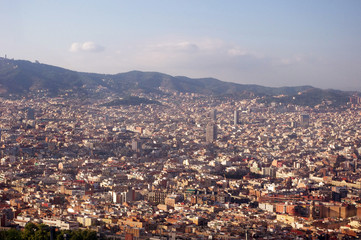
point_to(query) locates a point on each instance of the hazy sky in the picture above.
(270, 42)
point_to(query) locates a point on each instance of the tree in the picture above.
(42, 233)
(29, 231)
(89, 235)
(34, 231)
(60, 235)
(77, 235)
(3, 235)
(13, 234)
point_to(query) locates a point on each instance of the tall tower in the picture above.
(211, 132)
(235, 117)
(136, 145)
(304, 120)
(355, 165)
(213, 115)
(30, 114)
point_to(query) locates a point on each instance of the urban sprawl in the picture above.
(190, 167)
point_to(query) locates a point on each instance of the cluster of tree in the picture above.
(43, 232)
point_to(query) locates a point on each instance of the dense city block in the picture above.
(180, 166)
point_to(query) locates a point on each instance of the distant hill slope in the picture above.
(21, 77)
(18, 77)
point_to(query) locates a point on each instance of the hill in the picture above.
(20, 77)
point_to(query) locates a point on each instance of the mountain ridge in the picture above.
(21, 77)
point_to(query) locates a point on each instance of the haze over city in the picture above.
(271, 43)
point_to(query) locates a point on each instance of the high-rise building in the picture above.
(122, 197)
(305, 120)
(30, 114)
(355, 100)
(213, 115)
(211, 132)
(355, 165)
(235, 117)
(269, 171)
(137, 145)
(294, 124)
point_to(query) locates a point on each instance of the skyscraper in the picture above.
(355, 100)
(213, 115)
(304, 120)
(211, 132)
(136, 145)
(30, 114)
(235, 118)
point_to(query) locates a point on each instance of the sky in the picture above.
(271, 43)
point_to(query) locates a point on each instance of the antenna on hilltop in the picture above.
(5, 56)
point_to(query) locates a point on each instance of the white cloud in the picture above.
(75, 47)
(88, 46)
(182, 46)
(196, 55)
(236, 51)
(291, 60)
